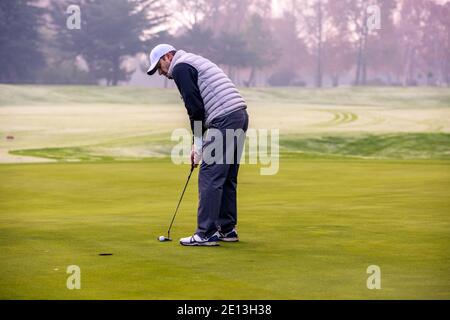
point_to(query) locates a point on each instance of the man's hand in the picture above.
(196, 153)
(196, 157)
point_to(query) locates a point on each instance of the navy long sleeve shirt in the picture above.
(186, 77)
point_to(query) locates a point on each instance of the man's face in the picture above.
(163, 65)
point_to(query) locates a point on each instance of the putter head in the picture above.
(163, 239)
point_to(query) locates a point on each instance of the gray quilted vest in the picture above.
(219, 94)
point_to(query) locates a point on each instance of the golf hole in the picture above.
(105, 254)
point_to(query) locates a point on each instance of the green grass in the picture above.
(392, 146)
(351, 96)
(57, 95)
(309, 232)
(87, 123)
(363, 180)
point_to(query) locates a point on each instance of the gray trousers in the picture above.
(217, 182)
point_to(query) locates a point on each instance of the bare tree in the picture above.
(352, 16)
(314, 27)
(190, 13)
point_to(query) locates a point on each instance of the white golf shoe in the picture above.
(231, 236)
(196, 240)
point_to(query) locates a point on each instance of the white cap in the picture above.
(156, 54)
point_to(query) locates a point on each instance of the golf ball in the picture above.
(161, 238)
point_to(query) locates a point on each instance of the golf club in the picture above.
(162, 238)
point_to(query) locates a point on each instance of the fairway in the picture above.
(363, 180)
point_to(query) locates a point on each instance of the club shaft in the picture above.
(179, 202)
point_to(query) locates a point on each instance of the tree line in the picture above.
(309, 42)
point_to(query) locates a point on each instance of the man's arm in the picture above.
(186, 77)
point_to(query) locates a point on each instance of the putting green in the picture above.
(363, 180)
(309, 232)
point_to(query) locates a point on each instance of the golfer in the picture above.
(213, 101)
